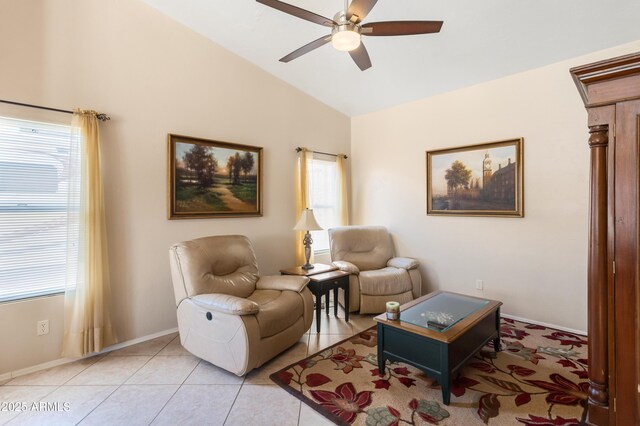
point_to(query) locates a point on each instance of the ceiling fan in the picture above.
(347, 29)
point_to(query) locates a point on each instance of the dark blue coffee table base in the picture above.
(437, 359)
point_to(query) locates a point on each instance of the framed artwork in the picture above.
(210, 179)
(477, 180)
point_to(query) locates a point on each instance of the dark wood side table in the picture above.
(324, 278)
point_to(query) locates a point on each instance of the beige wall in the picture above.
(152, 76)
(535, 265)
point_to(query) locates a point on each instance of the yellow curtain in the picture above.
(343, 200)
(87, 321)
(302, 199)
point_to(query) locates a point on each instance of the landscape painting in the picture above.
(477, 180)
(209, 179)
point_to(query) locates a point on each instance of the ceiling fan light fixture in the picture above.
(345, 40)
(347, 27)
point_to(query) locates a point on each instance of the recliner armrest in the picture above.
(403, 263)
(226, 304)
(282, 283)
(345, 266)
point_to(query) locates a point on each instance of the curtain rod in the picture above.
(101, 117)
(298, 149)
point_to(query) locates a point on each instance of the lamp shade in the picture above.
(307, 222)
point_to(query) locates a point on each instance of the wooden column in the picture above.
(610, 90)
(598, 278)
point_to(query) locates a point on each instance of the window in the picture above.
(35, 204)
(324, 199)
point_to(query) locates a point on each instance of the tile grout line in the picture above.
(7, 383)
(43, 397)
(244, 379)
(121, 384)
(192, 371)
(234, 401)
(75, 375)
(57, 387)
(176, 391)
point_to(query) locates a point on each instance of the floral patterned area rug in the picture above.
(539, 378)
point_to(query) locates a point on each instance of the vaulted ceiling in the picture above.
(480, 40)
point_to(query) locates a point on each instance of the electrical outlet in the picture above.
(479, 285)
(43, 327)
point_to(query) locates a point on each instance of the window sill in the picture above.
(31, 298)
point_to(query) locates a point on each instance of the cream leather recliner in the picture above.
(377, 277)
(228, 314)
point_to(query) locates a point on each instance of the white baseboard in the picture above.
(138, 340)
(60, 361)
(545, 324)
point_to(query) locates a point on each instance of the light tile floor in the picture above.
(158, 382)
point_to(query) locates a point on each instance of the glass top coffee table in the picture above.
(438, 333)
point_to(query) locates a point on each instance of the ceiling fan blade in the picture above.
(397, 28)
(360, 8)
(306, 48)
(361, 57)
(298, 12)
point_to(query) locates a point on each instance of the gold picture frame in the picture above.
(213, 179)
(477, 180)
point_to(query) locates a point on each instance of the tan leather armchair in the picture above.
(228, 314)
(377, 277)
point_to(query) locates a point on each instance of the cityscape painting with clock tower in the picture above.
(477, 180)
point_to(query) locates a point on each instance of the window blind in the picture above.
(36, 202)
(324, 199)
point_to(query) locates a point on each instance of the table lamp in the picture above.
(307, 222)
